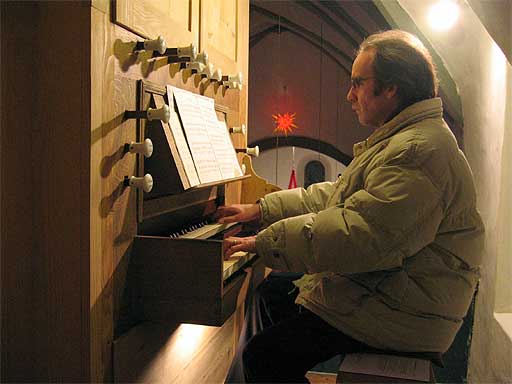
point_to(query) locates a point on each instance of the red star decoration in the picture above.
(284, 123)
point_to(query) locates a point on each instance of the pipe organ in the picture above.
(165, 247)
(108, 233)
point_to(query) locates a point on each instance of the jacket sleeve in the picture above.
(395, 214)
(294, 202)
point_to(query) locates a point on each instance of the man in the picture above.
(388, 251)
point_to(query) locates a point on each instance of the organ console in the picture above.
(178, 270)
(175, 271)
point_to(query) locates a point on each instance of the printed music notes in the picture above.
(202, 140)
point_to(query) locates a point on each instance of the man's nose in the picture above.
(351, 95)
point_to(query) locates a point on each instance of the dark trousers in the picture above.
(280, 340)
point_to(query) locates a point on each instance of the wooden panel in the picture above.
(176, 20)
(112, 206)
(254, 187)
(205, 309)
(61, 170)
(220, 35)
(216, 17)
(48, 157)
(167, 353)
(219, 27)
(179, 278)
(101, 5)
(18, 211)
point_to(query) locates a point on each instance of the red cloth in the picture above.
(293, 180)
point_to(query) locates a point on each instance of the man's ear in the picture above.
(391, 91)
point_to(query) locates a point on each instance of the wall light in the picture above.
(443, 14)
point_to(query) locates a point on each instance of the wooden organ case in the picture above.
(148, 278)
(177, 273)
(81, 298)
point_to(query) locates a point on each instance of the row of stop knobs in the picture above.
(145, 148)
(189, 58)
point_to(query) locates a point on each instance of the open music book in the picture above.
(203, 144)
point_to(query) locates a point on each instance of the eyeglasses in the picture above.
(356, 82)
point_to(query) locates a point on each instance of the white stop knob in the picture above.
(208, 71)
(163, 113)
(253, 151)
(198, 66)
(217, 75)
(189, 51)
(145, 183)
(238, 78)
(202, 57)
(156, 45)
(145, 148)
(231, 84)
(242, 129)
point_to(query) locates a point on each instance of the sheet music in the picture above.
(219, 138)
(197, 136)
(183, 150)
(387, 365)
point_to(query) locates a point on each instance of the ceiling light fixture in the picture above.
(443, 15)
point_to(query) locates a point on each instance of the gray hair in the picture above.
(401, 59)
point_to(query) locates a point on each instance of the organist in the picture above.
(382, 258)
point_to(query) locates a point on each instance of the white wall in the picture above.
(483, 77)
(265, 165)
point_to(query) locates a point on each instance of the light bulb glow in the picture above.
(443, 15)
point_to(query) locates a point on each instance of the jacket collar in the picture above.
(425, 109)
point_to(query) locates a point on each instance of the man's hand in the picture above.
(238, 213)
(235, 244)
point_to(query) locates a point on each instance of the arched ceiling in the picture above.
(335, 27)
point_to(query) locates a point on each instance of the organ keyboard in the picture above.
(183, 275)
(216, 231)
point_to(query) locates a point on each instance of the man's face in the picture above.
(372, 110)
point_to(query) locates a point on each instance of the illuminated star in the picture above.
(284, 123)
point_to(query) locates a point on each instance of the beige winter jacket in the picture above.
(391, 250)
